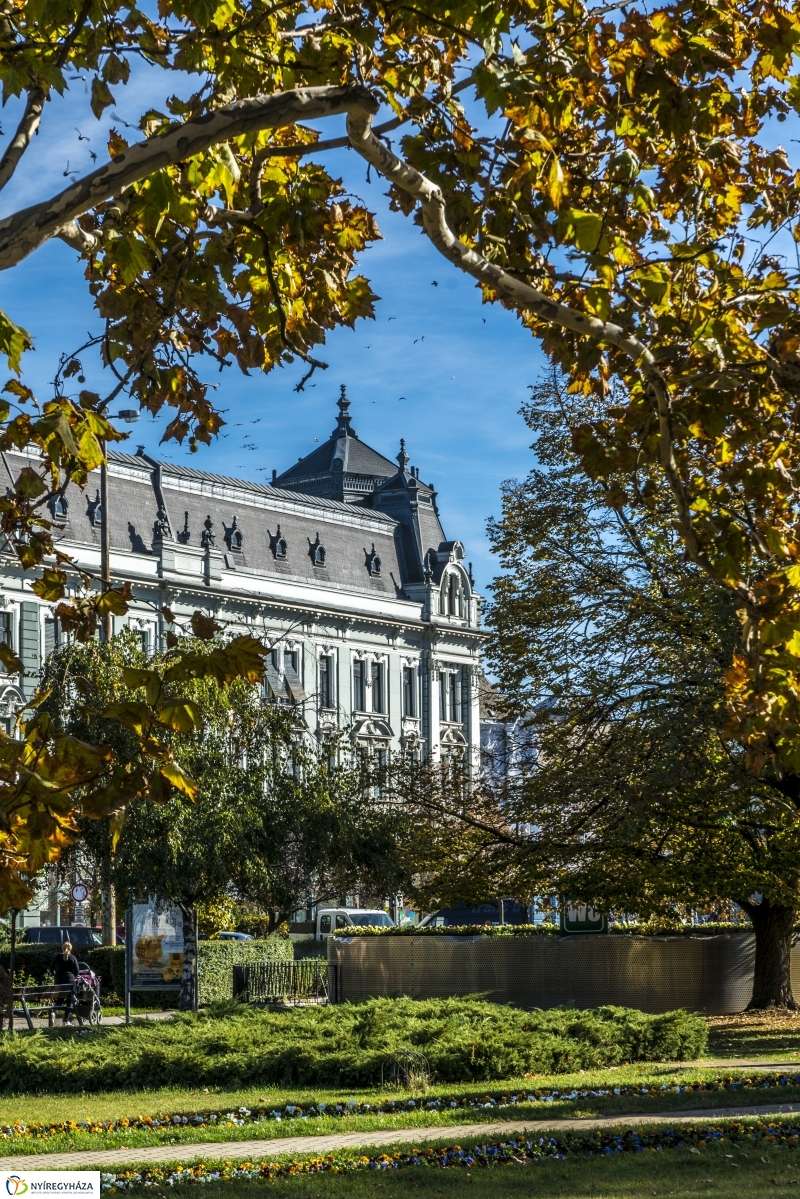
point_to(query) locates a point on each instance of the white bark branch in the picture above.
(26, 230)
(522, 295)
(76, 237)
(27, 127)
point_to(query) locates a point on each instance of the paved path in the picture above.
(252, 1150)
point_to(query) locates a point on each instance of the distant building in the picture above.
(342, 564)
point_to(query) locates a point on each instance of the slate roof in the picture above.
(399, 524)
(343, 467)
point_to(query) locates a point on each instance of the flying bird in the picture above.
(93, 156)
(82, 136)
(392, 318)
(416, 339)
(435, 283)
(402, 397)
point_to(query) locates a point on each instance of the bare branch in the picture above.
(24, 231)
(27, 127)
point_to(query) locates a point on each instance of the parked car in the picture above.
(228, 936)
(329, 919)
(56, 934)
(480, 913)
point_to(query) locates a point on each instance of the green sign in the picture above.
(580, 918)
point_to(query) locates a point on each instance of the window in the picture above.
(236, 540)
(378, 687)
(291, 674)
(373, 562)
(324, 924)
(359, 685)
(290, 659)
(278, 544)
(59, 508)
(53, 637)
(342, 922)
(453, 689)
(409, 692)
(319, 555)
(449, 704)
(7, 629)
(326, 682)
(455, 596)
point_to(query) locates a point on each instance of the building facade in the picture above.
(341, 565)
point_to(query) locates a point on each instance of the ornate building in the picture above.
(342, 563)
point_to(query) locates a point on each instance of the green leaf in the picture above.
(585, 229)
(51, 586)
(14, 340)
(131, 256)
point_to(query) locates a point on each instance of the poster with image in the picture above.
(156, 941)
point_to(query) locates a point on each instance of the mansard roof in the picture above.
(255, 528)
(343, 467)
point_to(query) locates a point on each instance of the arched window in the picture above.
(373, 562)
(454, 589)
(236, 539)
(59, 508)
(280, 548)
(319, 555)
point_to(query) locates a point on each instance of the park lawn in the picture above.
(773, 1036)
(114, 1105)
(772, 1172)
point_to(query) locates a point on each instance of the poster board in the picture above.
(580, 918)
(154, 949)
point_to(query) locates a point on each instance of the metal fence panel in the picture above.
(654, 974)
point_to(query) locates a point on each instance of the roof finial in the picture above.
(343, 423)
(403, 457)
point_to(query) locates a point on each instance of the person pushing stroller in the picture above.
(65, 970)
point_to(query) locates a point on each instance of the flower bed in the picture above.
(243, 1116)
(520, 1150)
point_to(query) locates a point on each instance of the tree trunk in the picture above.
(109, 901)
(187, 1001)
(772, 979)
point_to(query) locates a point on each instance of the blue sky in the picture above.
(462, 367)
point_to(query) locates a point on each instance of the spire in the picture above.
(402, 457)
(343, 423)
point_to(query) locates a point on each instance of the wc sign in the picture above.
(581, 918)
(71, 1184)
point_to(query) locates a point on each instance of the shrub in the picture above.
(540, 930)
(344, 1045)
(217, 959)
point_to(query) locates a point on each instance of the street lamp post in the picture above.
(108, 896)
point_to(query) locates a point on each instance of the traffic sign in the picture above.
(80, 892)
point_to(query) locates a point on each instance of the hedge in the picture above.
(538, 930)
(343, 1045)
(217, 959)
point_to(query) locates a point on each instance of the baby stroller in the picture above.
(86, 1004)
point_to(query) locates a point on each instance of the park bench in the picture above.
(42, 1001)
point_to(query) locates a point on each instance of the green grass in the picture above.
(343, 1045)
(674, 1172)
(115, 1105)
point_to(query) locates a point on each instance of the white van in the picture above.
(329, 919)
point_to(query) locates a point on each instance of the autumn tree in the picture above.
(271, 817)
(614, 179)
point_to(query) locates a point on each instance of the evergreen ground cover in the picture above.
(343, 1045)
